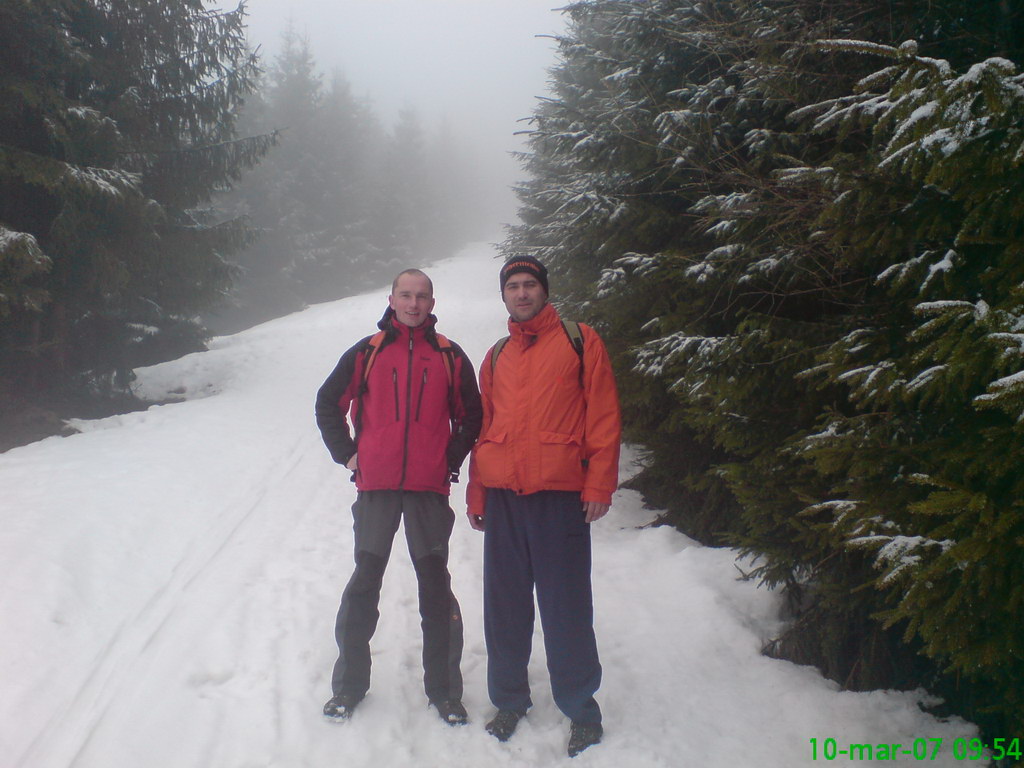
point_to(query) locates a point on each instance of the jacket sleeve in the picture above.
(332, 403)
(470, 413)
(603, 421)
(476, 493)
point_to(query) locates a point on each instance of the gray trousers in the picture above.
(428, 526)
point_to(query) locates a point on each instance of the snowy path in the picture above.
(170, 580)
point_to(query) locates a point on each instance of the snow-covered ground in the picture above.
(170, 580)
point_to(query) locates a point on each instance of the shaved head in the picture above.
(417, 273)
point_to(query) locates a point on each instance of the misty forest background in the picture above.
(799, 226)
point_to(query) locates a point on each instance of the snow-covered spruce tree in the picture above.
(401, 203)
(314, 185)
(416, 198)
(304, 198)
(351, 136)
(32, 51)
(667, 161)
(600, 189)
(116, 129)
(925, 458)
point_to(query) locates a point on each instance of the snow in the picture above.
(26, 243)
(945, 305)
(945, 264)
(925, 377)
(898, 553)
(171, 579)
(996, 66)
(1014, 382)
(839, 508)
(701, 271)
(103, 181)
(856, 46)
(803, 174)
(923, 112)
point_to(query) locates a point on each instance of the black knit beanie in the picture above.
(526, 264)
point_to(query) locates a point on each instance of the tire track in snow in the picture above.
(121, 664)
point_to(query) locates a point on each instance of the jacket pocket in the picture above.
(490, 453)
(561, 458)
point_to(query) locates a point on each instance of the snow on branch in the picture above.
(839, 508)
(804, 175)
(1006, 393)
(859, 46)
(895, 554)
(21, 246)
(103, 181)
(631, 265)
(925, 377)
(943, 307)
(653, 357)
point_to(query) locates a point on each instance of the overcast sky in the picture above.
(480, 64)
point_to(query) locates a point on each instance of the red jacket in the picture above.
(404, 415)
(542, 430)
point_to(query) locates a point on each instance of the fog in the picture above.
(475, 65)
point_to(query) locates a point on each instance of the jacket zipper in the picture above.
(394, 378)
(408, 407)
(419, 400)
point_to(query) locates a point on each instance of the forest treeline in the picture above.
(341, 204)
(158, 180)
(800, 227)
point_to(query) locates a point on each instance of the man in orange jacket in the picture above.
(545, 467)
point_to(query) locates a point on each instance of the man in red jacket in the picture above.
(415, 410)
(545, 468)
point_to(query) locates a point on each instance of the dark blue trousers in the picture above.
(540, 540)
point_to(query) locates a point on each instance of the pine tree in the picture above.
(118, 127)
(309, 198)
(30, 49)
(927, 460)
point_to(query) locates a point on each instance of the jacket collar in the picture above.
(530, 329)
(395, 330)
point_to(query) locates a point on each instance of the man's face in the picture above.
(524, 296)
(412, 300)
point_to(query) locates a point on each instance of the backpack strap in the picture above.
(447, 357)
(498, 346)
(372, 348)
(373, 345)
(572, 331)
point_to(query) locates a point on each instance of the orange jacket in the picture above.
(542, 431)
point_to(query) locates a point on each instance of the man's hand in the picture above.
(353, 463)
(595, 510)
(476, 522)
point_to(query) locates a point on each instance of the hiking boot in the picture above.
(451, 711)
(503, 725)
(340, 707)
(583, 735)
